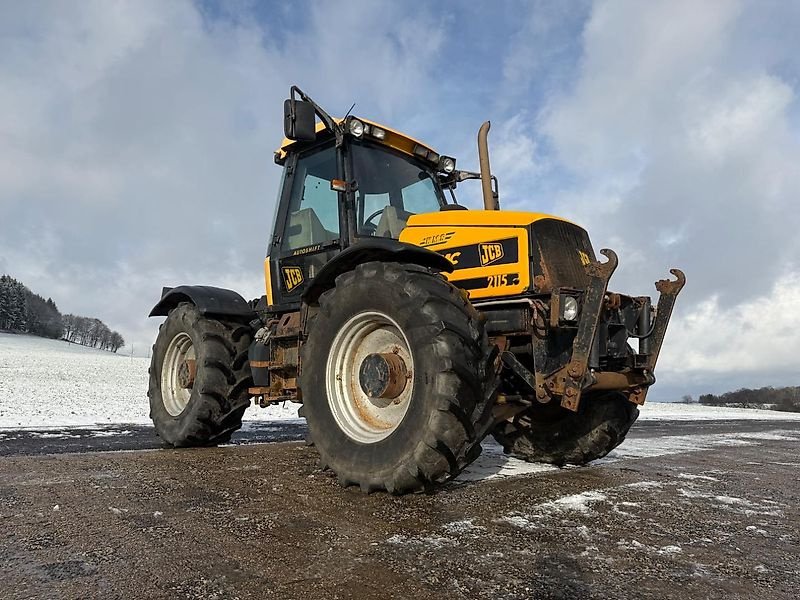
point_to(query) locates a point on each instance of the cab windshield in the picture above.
(391, 188)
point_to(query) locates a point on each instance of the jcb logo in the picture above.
(585, 260)
(490, 253)
(292, 277)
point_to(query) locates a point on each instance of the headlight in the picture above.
(447, 164)
(356, 127)
(569, 308)
(378, 132)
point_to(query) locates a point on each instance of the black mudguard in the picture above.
(372, 249)
(212, 301)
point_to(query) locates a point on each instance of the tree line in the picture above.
(91, 332)
(782, 398)
(22, 311)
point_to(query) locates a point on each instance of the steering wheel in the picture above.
(368, 225)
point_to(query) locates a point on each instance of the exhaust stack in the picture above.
(490, 199)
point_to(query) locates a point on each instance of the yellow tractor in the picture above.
(408, 327)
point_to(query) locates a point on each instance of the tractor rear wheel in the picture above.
(555, 435)
(199, 377)
(396, 379)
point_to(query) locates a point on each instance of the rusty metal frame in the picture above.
(283, 365)
(568, 382)
(571, 380)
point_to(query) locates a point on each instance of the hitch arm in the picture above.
(668, 290)
(573, 381)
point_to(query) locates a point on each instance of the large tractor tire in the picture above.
(199, 377)
(396, 379)
(559, 436)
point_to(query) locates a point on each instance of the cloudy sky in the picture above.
(136, 145)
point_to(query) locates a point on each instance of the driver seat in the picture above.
(393, 221)
(306, 229)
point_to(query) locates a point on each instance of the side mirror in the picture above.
(299, 121)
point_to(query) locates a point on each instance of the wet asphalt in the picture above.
(108, 438)
(108, 513)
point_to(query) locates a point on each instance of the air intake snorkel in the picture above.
(490, 196)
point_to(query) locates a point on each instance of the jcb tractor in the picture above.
(408, 327)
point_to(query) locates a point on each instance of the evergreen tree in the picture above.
(5, 301)
(23, 311)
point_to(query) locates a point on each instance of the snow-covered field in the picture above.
(49, 383)
(668, 411)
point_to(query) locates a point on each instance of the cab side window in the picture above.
(313, 206)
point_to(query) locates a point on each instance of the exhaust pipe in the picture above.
(490, 200)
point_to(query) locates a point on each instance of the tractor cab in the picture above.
(352, 180)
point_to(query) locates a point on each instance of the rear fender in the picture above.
(210, 301)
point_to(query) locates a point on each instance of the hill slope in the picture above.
(47, 383)
(50, 383)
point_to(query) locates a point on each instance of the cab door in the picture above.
(308, 225)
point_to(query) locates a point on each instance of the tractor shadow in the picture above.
(494, 464)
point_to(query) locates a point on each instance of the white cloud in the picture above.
(639, 61)
(136, 141)
(514, 157)
(747, 115)
(682, 154)
(136, 138)
(758, 336)
(514, 150)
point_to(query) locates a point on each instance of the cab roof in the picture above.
(393, 139)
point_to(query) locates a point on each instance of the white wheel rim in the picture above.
(364, 419)
(174, 396)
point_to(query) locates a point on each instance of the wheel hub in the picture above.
(369, 377)
(178, 371)
(186, 373)
(383, 375)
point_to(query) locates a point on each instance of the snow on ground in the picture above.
(492, 463)
(576, 514)
(663, 411)
(50, 383)
(678, 444)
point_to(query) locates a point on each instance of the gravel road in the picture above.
(700, 510)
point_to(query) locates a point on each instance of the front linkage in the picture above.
(582, 372)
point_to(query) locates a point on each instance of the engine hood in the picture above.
(472, 218)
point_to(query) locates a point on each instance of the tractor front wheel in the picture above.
(552, 434)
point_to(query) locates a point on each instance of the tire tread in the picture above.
(454, 431)
(221, 397)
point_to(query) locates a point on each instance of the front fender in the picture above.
(372, 249)
(212, 301)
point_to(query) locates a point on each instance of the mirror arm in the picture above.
(330, 124)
